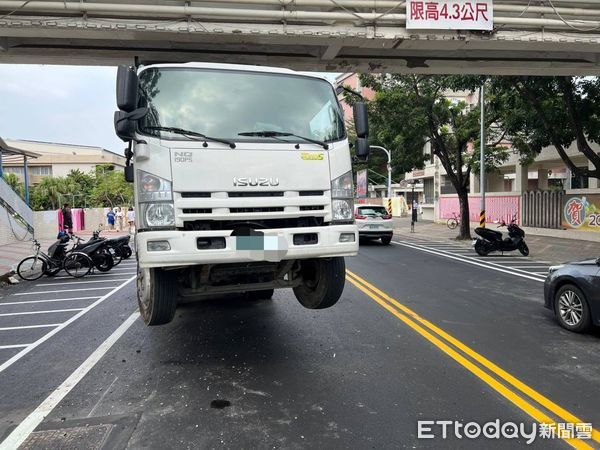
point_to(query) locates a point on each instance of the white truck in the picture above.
(243, 182)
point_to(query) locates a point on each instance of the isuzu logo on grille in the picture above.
(255, 181)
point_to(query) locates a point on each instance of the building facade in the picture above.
(57, 160)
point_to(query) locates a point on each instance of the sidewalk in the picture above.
(12, 254)
(541, 247)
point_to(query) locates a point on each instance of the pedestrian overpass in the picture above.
(528, 36)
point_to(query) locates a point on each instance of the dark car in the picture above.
(572, 291)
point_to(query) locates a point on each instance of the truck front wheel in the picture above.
(323, 282)
(157, 296)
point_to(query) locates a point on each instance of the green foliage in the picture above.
(111, 189)
(13, 181)
(103, 187)
(537, 112)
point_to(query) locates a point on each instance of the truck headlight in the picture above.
(342, 209)
(342, 186)
(160, 215)
(152, 188)
(342, 198)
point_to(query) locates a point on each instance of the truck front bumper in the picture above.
(334, 240)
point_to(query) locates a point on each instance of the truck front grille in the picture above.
(255, 194)
(257, 224)
(197, 210)
(255, 210)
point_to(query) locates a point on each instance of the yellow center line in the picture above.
(411, 319)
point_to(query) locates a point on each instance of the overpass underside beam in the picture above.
(529, 37)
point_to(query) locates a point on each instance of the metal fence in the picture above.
(542, 209)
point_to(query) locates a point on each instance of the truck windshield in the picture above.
(223, 103)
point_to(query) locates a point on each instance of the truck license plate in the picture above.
(257, 243)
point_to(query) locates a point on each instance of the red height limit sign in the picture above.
(450, 14)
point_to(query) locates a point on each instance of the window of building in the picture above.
(578, 182)
(42, 170)
(428, 191)
(15, 170)
(446, 186)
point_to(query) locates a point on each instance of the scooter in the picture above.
(492, 240)
(98, 250)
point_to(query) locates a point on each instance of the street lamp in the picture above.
(389, 168)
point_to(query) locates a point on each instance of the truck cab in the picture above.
(243, 183)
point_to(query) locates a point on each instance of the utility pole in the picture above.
(389, 168)
(482, 158)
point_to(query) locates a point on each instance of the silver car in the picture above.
(374, 222)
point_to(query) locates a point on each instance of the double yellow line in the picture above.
(511, 388)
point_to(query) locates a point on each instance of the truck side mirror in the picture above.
(361, 149)
(129, 173)
(127, 88)
(125, 122)
(124, 127)
(361, 121)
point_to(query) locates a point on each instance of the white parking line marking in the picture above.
(63, 290)
(100, 275)
(81, 282)
(25, 428)
(49, 325)
(2, 347)
(40, 312)
(65, 324)
(489, 265)
(28, 302)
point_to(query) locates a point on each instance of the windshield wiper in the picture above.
(192, 134)
(275, 134)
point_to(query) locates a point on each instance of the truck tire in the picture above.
(157, 296)
(323, 282)
(265, 294)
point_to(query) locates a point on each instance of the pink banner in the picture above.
(496, 208)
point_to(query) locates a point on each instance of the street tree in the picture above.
(111, 189)
(50, 192)
(537, 112)
(13, 181)
(410, 111)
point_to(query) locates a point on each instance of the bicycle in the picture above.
(76, 264)
(453, 222)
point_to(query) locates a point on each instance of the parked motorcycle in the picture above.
(492, 240)
(98, 250)
(118, 246)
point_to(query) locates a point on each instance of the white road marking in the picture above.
(28, 302)
(530, 266)
(100, 275)
(40, 312)
(63, 290)
(2, 347)
(81, 282)
(65, 324)
(29, 424)
(470, 260)
(23, 327)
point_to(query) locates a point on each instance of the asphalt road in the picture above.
(424, 331)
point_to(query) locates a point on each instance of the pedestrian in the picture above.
(415, 210)
(67, 218)
(131, 219)
(110, 218)
(119, 216)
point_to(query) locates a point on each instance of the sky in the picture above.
(63, 104)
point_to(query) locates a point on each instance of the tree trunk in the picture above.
(465, 228)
